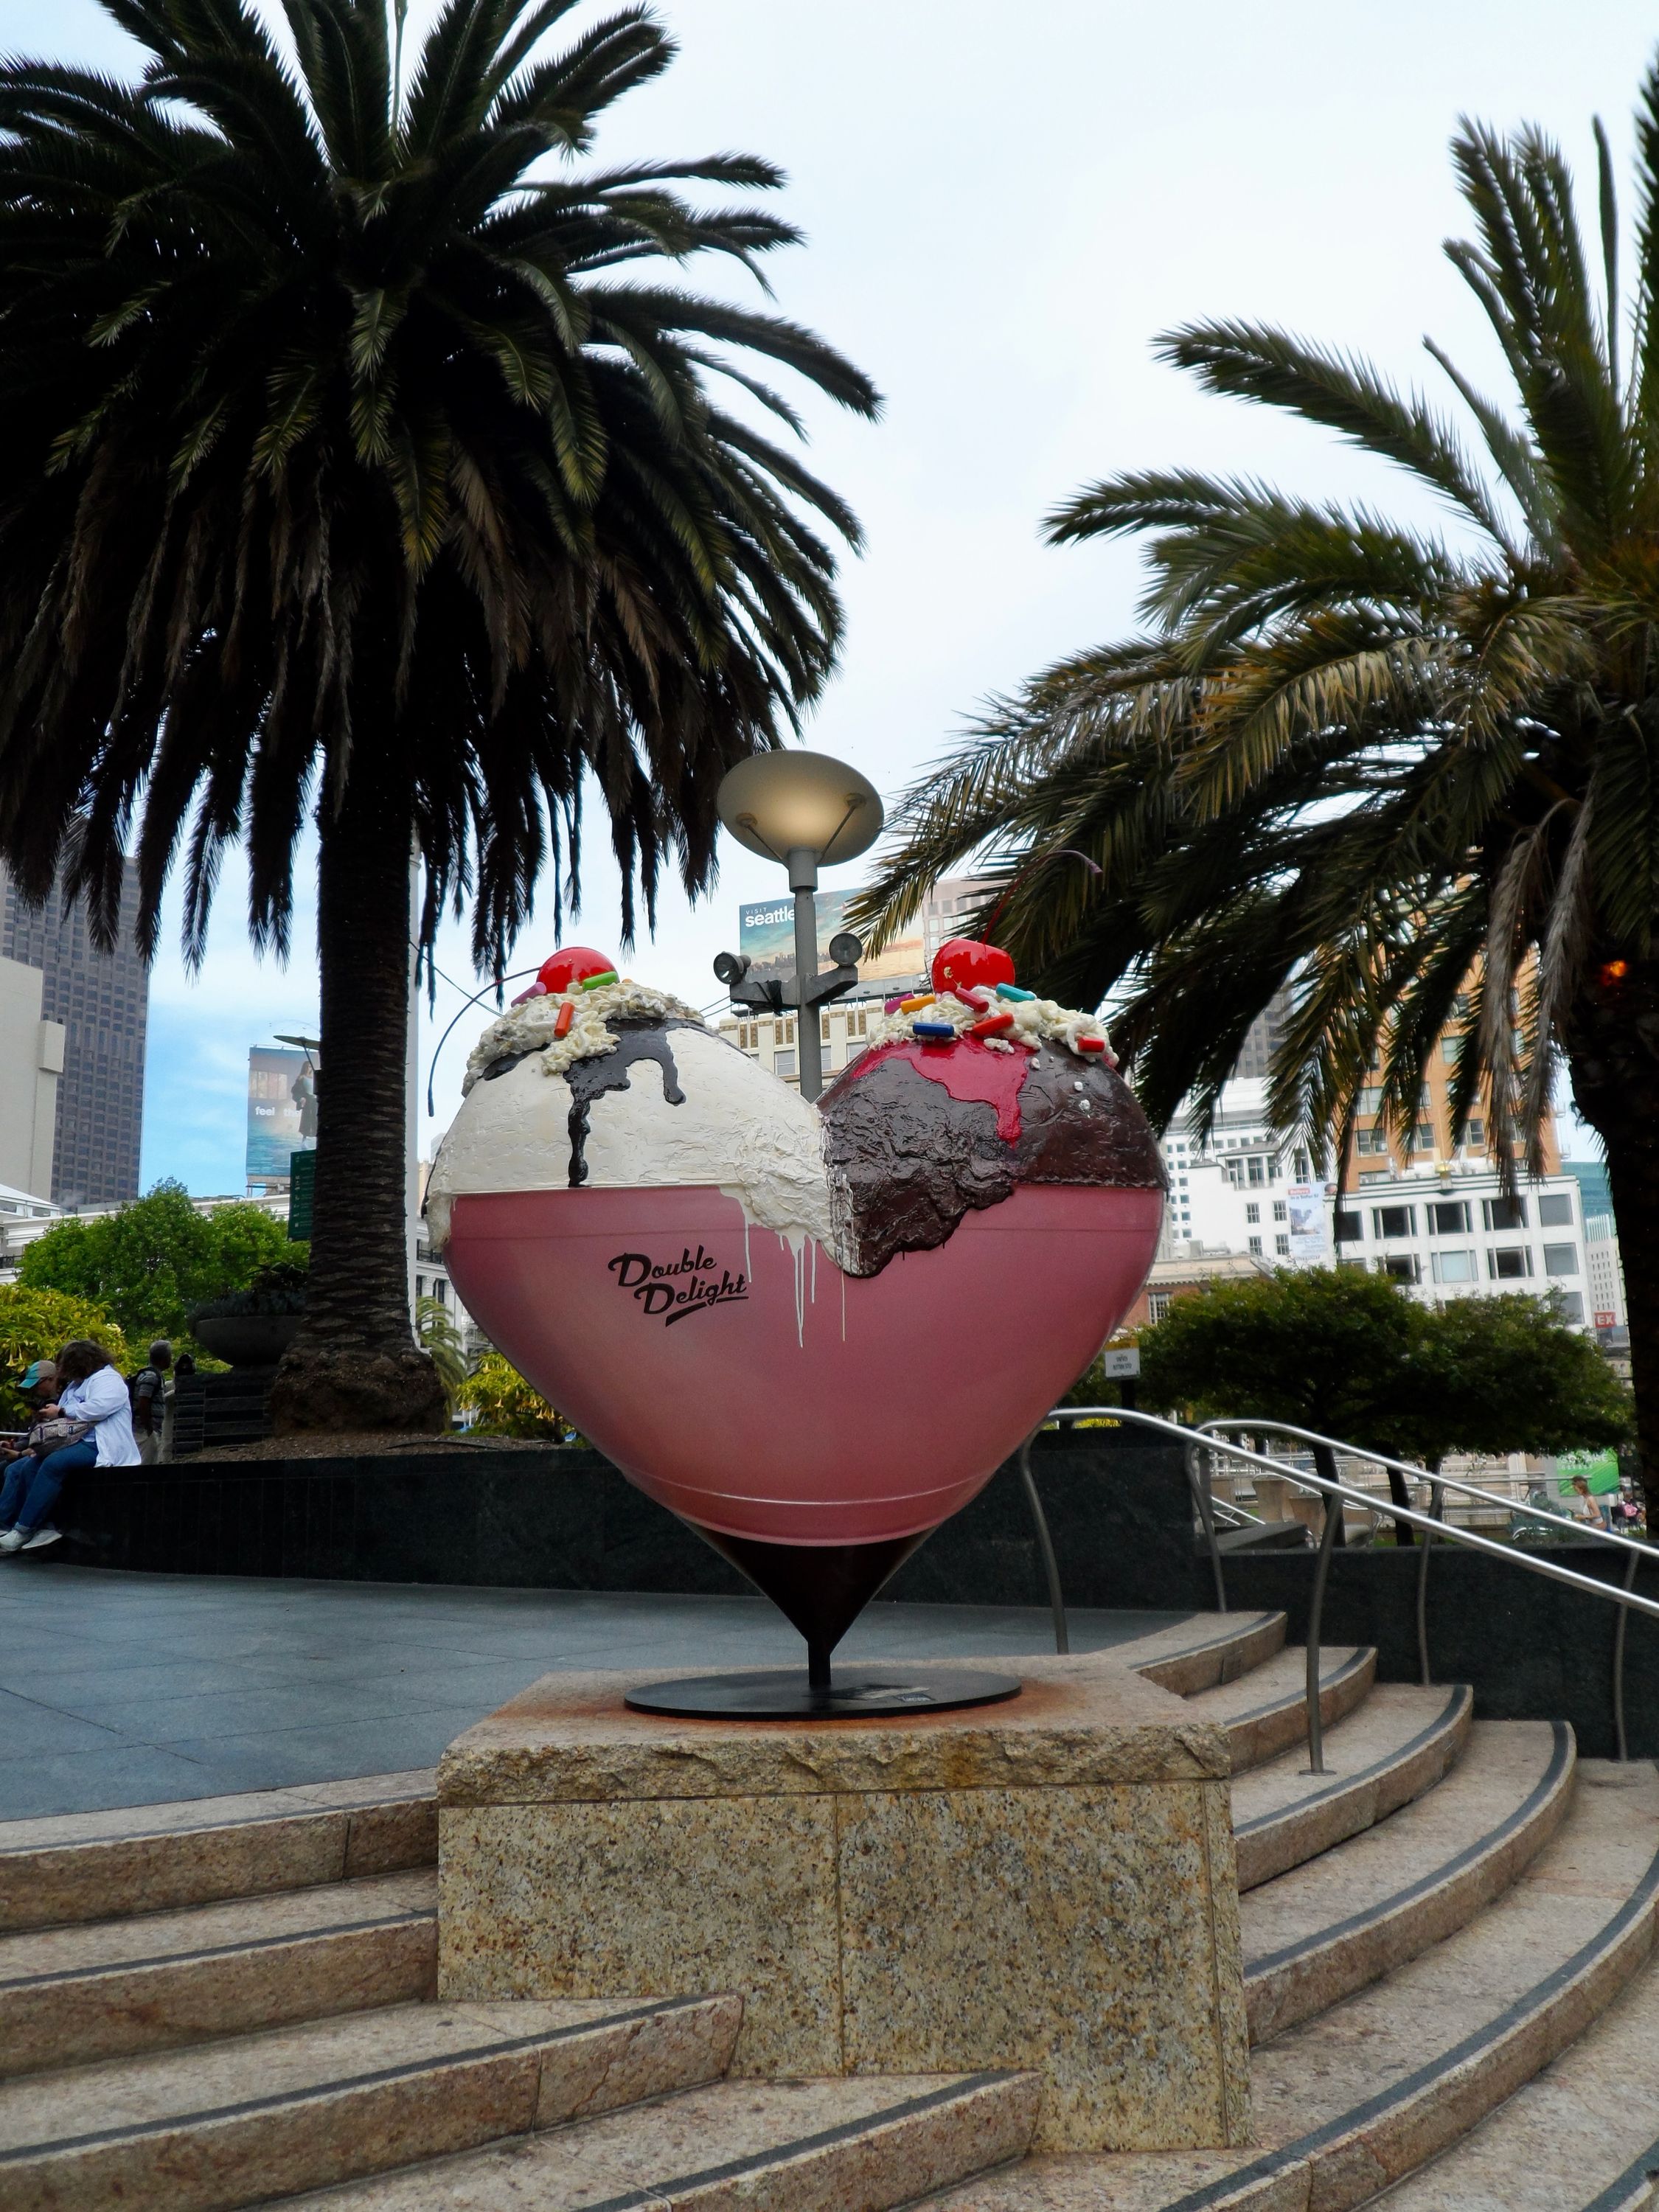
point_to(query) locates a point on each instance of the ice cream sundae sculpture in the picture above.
(812, 1331)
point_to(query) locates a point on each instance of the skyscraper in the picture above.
(102, 1000)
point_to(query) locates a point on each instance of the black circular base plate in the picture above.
(856, 1693)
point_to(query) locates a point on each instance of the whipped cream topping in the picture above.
(529, 1028)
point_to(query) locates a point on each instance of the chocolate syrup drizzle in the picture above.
(638, 1038)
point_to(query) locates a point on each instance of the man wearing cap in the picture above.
(39, 1385)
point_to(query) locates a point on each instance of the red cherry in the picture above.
(966, 960)
(563, 970)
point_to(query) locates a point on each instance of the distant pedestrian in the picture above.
(90, 1390)
(149, 1393)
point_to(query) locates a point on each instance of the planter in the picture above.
(248, 1340)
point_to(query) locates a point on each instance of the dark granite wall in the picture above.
(565, 1519)
(1118, 1508)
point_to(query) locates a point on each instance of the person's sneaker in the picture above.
(14, 1540)
(42, 1537)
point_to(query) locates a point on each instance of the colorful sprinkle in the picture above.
(567, 1015)
(1092, 1044)
(934, 1032)
(596, 983)
(915, 1005)
(993, 1026)
(891, 1005)
(1013, 990)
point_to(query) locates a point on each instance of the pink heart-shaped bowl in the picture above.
(760, 1392)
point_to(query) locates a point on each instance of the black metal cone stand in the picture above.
(822, 1589)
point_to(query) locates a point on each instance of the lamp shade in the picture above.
(780, 803)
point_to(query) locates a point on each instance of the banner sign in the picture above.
(766, 934)
(282, 1110)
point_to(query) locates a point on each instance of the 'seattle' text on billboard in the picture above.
(766, 933)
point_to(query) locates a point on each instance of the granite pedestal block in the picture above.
(1048, 1883)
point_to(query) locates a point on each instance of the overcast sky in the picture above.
(1003, 207)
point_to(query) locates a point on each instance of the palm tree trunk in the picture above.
(354, 1363)
(1615, 1060)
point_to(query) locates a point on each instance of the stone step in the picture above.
(1265, 1711)
(153, 1859)
(1356, 2100)
(866, 2144)
(1327, 1928)
(233, 2122)
(1215, 1646)
(1582, 2136)
(1391, 1748)
(99, 1989)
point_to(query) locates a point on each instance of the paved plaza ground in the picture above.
(124, 1689)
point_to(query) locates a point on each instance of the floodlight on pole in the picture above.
(806, 812)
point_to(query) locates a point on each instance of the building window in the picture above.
(1510, 1266)
(1393, 1221)
(1282, 1246)
(1422, 1137)
(1561, 1260)
(1454, 1266)
(1400, 1267)
(783, 1063)
(1452, 1050)
(1371, 1099)
(1300, 1165)
(1555, 1210)
(1504, 1212)
(1253, 1213)
(1256, 1170)
(420, 1286)
(1372, 1140)
(1570, 1306)
(1449, 1218)
(1350, 1228)
(1475, 1135)
(1158, 1304)
(1254, 1243)
(1282, 1212)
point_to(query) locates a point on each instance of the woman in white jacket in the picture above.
(91, 1390)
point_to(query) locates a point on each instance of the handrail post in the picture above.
(1437, 1511)
(1618, 1737)
(1199, 1483)
(1045, 1544)
(1316, 1622)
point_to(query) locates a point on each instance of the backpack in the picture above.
(157, 1395)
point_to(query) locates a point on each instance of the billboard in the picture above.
(766, 934)
(282, 1110)
(1305, 1206)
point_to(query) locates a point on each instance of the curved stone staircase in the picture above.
(229, 2003)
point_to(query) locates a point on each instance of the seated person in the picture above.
(91, 1392)
(39, 1385)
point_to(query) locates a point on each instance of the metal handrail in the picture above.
(1626, 1599)
(1426, 1474)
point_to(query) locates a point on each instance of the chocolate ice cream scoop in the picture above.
(915, 1135)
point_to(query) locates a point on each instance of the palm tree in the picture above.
(364, 466)
(1411, 772)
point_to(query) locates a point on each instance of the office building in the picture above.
(101, 1002)
(31, 1069)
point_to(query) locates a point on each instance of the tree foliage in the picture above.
(1355, 1356)
(35, 1323)
(503, 1404)
(1381, 762)
(148, 1263)
(358, 429)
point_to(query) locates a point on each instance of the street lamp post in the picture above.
(806, 812)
